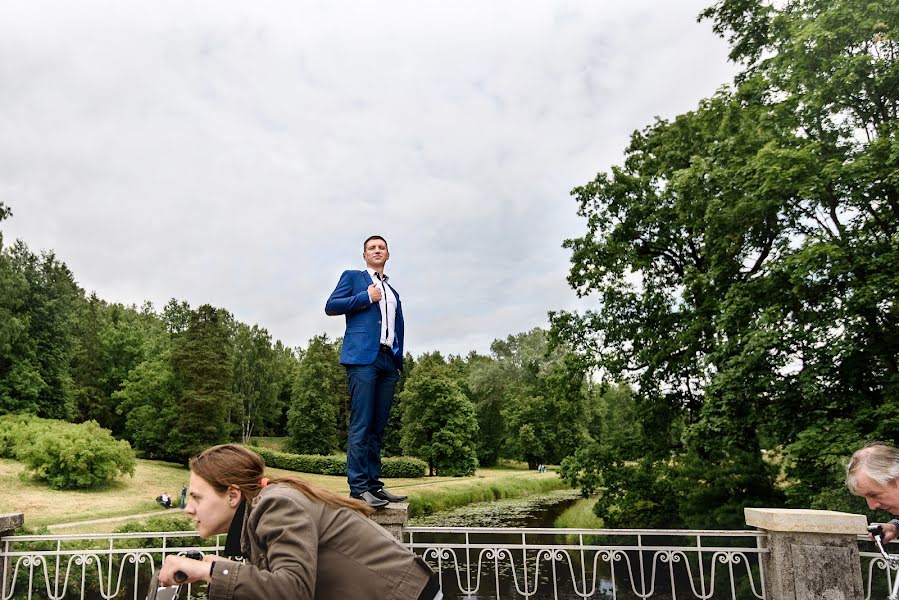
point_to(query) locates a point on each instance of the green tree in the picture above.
(393, 433)
(486, 384)
(544, 397)
(745, 258)
(274, 420)
(318, 390)
(256, 382)
(614, 420)
(439, 422)
(38, 340)
(20, 381)
(148, 402)
(203, 371)
(110, 341)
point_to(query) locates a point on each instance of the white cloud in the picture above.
(239, 153)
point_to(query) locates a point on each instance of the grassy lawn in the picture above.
(135, 495)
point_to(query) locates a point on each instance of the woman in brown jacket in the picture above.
(297, 541)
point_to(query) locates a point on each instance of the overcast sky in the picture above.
(238, 154)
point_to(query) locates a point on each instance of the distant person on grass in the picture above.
(298, 541)
(873, 472)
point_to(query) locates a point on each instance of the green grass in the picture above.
(279, 444)
(580, 515)
(135, 495)
(430, 500)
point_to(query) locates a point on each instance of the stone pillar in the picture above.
(812, 554)
(8, 525)
(392, 518)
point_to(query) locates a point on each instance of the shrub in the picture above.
(18, 429)
(400, 466)
(403, 466)
(80, 456)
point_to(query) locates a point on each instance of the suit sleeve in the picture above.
(343, 300)
(290, 537)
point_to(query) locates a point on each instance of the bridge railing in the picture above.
(593, 563)
(793, 555)
(115, 565)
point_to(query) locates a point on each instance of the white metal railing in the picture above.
(485, 563)
(877, 569)
(589, 563)
(563, 564)
(52, 566)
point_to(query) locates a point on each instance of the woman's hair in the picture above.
(229, 464)
(877, 460)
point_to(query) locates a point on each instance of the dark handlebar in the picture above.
(181, 576)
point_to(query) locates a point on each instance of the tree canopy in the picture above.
(744, 257)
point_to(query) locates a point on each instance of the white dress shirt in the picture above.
(387, 306)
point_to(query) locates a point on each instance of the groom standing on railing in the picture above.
(372, 354)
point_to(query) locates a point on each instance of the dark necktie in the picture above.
(383, 281)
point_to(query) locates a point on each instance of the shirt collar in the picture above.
(232, 541)
(372, 272)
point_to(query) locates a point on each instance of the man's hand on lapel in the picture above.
(374, 293)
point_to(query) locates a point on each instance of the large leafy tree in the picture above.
(543, 398)
(831, 70)
(439, 421)
(745, 253)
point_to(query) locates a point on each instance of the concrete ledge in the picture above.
(11, 521)
(805, 520)
(392, 518)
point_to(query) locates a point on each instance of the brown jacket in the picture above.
(301, 549)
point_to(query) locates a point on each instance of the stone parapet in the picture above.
(812, 554)
(10, 522)
(392, 518)
(805, 521)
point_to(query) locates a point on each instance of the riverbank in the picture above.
(439, 498)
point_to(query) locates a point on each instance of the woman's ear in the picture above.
(234, 496)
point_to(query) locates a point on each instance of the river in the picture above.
(542, 512)
(533, 512)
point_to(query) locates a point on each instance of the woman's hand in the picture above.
(195, 570)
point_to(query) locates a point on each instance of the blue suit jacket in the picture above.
(362, 339)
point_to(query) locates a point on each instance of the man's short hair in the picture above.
(878, 460)
(370, 238)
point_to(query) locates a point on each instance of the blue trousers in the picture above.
(371, 390)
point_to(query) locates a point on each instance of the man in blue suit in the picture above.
(373, 357)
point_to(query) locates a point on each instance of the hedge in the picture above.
(397, 466)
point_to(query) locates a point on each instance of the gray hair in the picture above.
(877, 460)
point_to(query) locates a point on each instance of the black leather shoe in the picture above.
(370, 499)
(385, 495)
